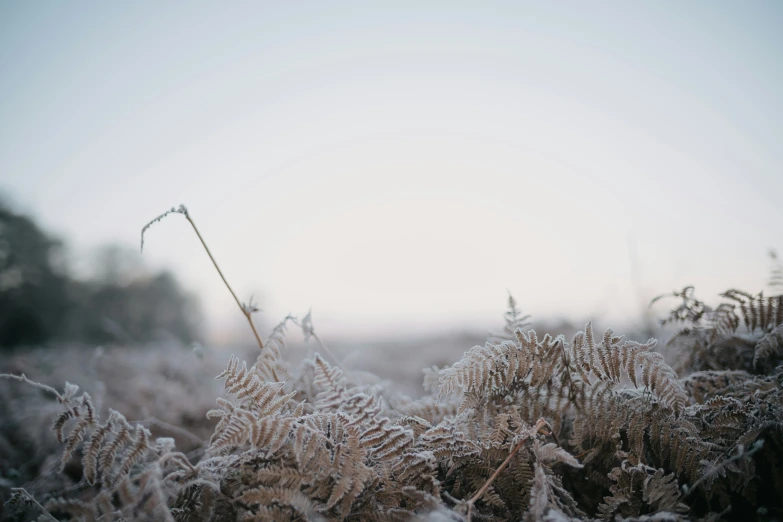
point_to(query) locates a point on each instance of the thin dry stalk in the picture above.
(328, 351)
(247, 310)
(174, 430)
(23, 378)
(475, 498)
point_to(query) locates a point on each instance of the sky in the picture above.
(398, 167)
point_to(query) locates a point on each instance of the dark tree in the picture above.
(33, 296)
(149, 308)
(120, 302)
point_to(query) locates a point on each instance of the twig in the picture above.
(23, 378)
(582, 455)
(328, 351)
(152, 421)
(475, 498)
(306, 324)
(247, 311)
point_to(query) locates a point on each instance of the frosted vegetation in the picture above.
(523, 427)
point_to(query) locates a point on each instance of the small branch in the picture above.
(581, 455)
(475, 498)
(246, 310)
(152, 421)
(23, 378)
(306, 324)
(328, 351)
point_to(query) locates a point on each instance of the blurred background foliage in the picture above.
(43, 301)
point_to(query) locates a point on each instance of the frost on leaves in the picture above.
(524, 428)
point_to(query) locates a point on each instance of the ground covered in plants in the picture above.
(522, 427)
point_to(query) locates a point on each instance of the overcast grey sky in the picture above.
(400, 165)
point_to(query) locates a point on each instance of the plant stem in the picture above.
(23, 378)
(475, 498)
(328, 351)
(245, 311)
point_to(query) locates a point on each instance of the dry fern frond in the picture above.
(489, 368)
(86, 413)
(768, 346)
(93, 448)
(269, 363)
(447, 440)
(280, 496)
(690, 310)
(639, 489)
(707, 384)
(514, 319)
(551, 452)
(332, 381)
(528, 428)
(139, 446)
(609, 359)
(539, 495)
(270, 433)
(233, 429)
(245, 384)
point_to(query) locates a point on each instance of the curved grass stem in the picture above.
(246, 310)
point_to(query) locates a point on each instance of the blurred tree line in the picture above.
(41, 301)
